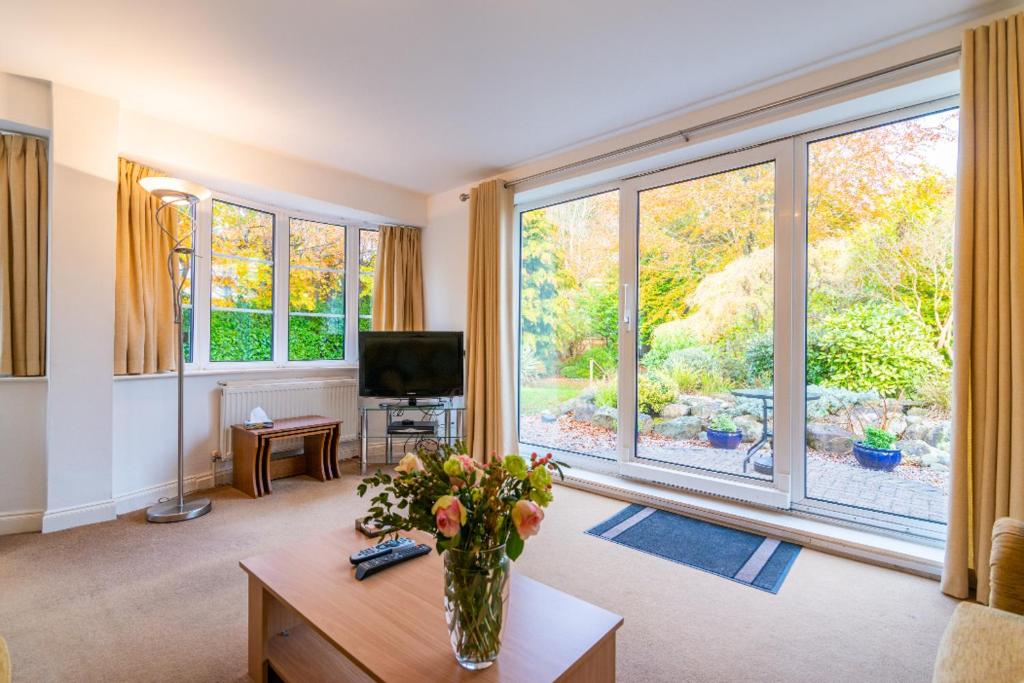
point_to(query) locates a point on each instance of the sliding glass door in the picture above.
(741, 325)
(704, 252)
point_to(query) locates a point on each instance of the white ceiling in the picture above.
(430, 95)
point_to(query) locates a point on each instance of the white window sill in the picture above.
(287, 370)
(811, 532)
(23, 380)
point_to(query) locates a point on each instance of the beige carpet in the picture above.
(131, 601)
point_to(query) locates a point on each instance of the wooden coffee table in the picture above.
(310, 620)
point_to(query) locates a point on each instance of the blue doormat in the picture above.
(741, 556)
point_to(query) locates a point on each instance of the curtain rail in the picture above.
(686, 133)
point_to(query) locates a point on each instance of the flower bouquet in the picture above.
(480, 515)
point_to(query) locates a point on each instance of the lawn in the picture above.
(547, 394)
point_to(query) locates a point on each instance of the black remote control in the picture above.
(370, 567)
(379, 549)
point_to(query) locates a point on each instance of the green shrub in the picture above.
(876, 346)
(241, 336)
(314, 338)
(698, 358)
(878, 438)
(653, 394)
(723, 423)
(760, 360)
(666, 338)
(605, 358)
(607, 396)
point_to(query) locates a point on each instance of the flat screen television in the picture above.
(410, 364)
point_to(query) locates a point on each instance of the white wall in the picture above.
(267, 177)
(81, 329)
(445, 250)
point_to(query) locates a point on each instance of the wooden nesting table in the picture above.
(252, 468)
(311, 621)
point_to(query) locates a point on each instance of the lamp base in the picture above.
(170, 511)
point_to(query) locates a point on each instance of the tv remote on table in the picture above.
(379, 550)
(397, 556)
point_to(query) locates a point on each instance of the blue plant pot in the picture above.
(884, 459)
(726, 440)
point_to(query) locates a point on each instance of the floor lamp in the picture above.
(175, 192)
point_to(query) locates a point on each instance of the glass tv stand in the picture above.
(427, 424)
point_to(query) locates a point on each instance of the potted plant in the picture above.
(480, 516)
(875, 452)
(723, 433)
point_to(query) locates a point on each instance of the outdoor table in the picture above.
(766, 464)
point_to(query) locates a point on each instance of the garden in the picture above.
(879, 340)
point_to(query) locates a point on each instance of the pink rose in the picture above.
(408, 464)
(449, 514)
(527, 516)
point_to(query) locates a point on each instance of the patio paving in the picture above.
(828, 479)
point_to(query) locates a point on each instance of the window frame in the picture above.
(202, 288)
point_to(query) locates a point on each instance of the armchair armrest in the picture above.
(1006, 566)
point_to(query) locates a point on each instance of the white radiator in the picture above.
(337, 398)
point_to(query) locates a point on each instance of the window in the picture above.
(367, 269)
(241, 284)
(241, 310)
(739, 324)
(316, 291)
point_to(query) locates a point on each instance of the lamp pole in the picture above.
(172, 192)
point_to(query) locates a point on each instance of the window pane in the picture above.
(242, 284)
(880, 216)
(316, 291)
(367, 268)
(569, 301)
(706, 306)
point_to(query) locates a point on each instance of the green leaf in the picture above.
(514, 546)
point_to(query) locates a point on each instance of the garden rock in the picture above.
(548, 416)
(750, 426)
(935, 433)
(644, 424)
(687, 427)
(704, 407)
(675, 410)
(607, 418)
(584, 411)
(830, 438)
(914, 450)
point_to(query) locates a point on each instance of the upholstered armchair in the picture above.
(987, 643)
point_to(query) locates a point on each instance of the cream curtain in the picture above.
(23, 234)
(143, 298)
(398, 281)
(988, 303)
(490, 331)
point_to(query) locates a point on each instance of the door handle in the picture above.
(627, 309)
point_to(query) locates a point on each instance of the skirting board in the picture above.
(143, 498)
(21, 522)
(78, 515)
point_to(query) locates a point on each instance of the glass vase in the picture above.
(475, 603)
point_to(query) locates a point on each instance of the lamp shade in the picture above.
(172, 190)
